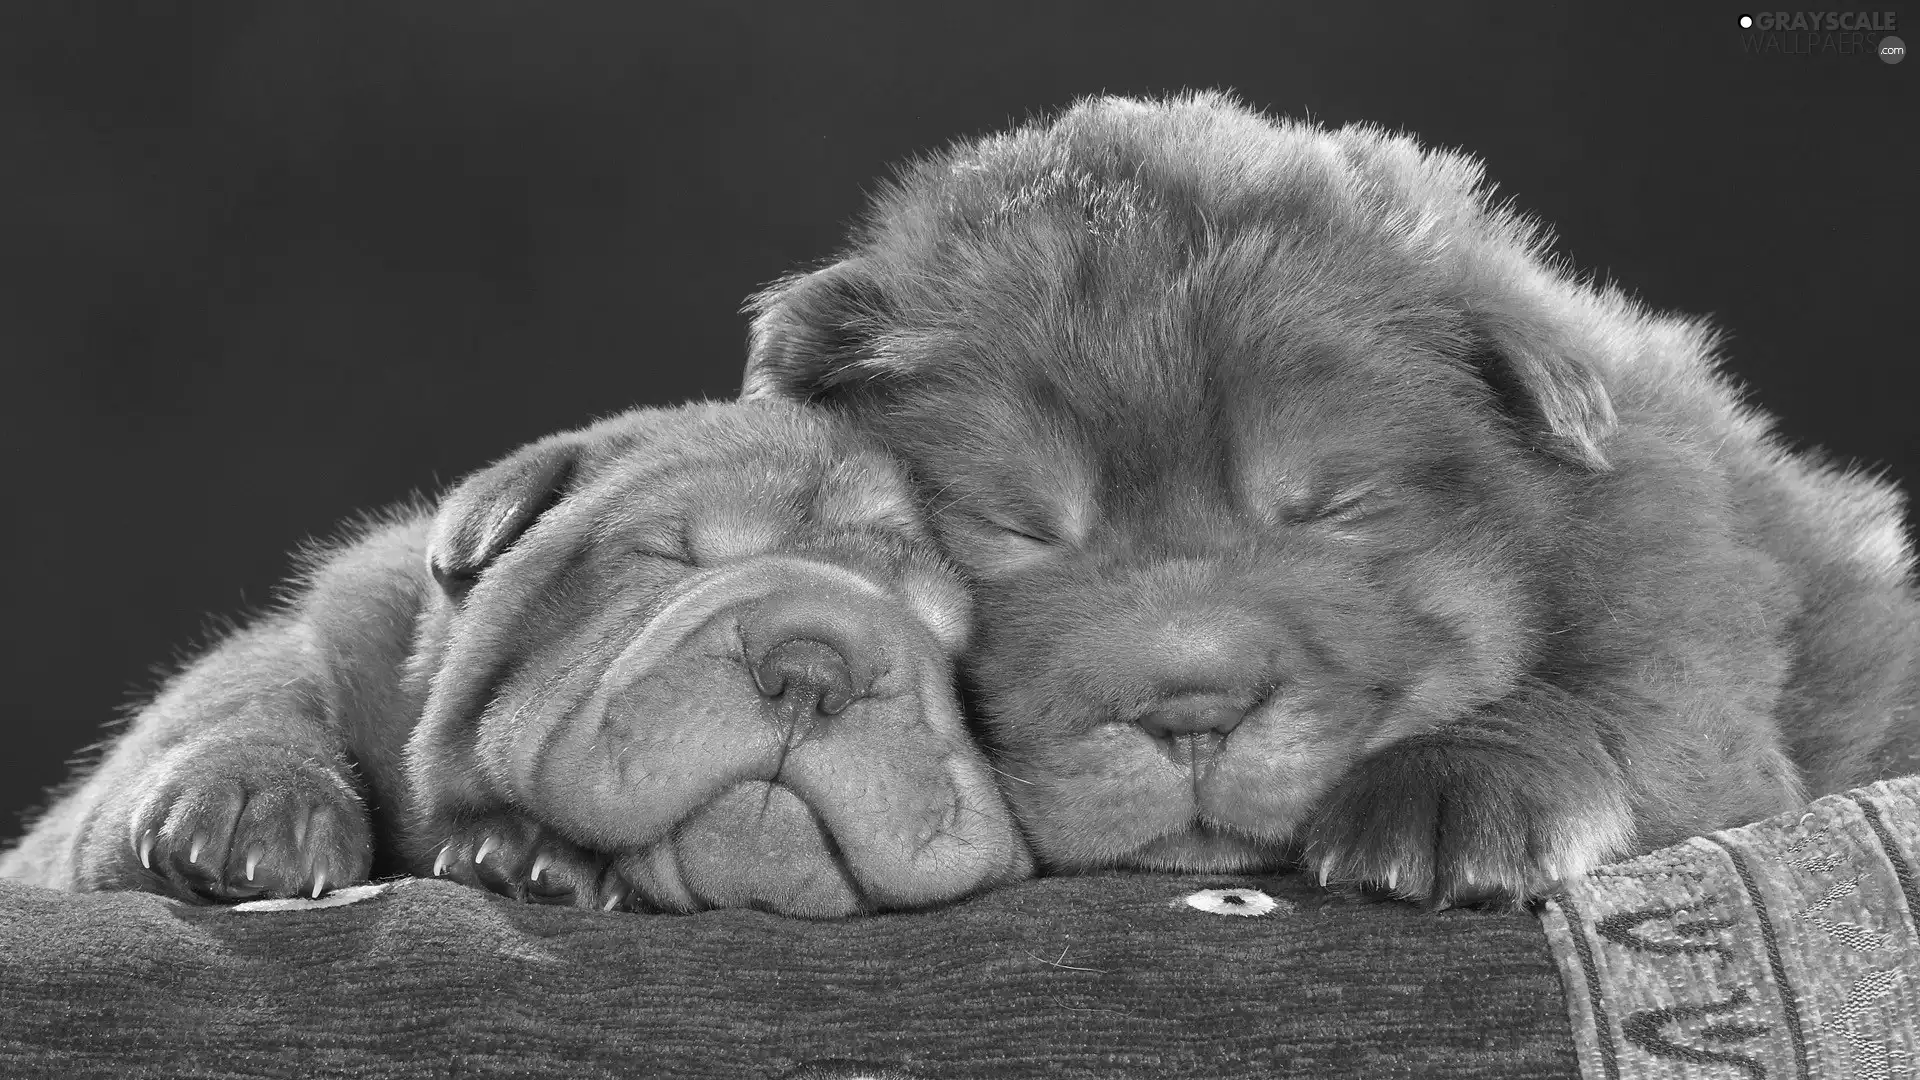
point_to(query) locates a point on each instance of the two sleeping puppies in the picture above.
(1310, 516)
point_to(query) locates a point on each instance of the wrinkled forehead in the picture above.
(762, 485)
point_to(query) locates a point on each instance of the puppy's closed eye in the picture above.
(1001, 545)
(1025, 534)
(1345, 507)
(672, 542)
(1338, 507)
(652, 555)
(999, 526)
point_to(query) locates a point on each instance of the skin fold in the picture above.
(1316, 515)
(681, 659)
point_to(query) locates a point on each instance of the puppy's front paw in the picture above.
(1455, 822)
(505, 853)
(238, 820)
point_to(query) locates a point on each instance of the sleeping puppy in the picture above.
(1316, 515)
(680, 659)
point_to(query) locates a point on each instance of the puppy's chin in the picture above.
(1201, 848)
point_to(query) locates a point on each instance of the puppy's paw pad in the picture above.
(508, 855)
(1453, 825)
(250, 822)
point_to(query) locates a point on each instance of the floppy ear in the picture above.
(491, 509)
(1544, 383)
(811, 333)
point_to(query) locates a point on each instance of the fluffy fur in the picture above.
(1316, 513)
(680, 659)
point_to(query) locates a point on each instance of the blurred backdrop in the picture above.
(266, 263)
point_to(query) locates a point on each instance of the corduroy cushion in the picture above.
(1094, 976)
(1783, 949)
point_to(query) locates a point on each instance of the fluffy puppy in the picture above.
(679, 659)
(1316, 514)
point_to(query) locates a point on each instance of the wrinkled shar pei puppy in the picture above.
(683, 658)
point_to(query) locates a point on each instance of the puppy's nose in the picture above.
(1193, 714)
(804, 677)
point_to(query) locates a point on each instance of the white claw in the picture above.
(319, 883)
(253, 860)
(539, 867)
(485, 846)
(444, 860)
(1393, 877)
(146, 849)
(612, 902)
(1551, 869)
(1325, 865)
(1466, 872)
(193, 852)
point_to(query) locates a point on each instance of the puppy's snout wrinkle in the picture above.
(805, 677)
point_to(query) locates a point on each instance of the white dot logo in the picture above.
(1249, 903)
(1892, 49)
(1746, 22)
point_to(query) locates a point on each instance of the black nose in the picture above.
(1192, 714)
(803, 677)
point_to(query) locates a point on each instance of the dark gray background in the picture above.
(269, 263)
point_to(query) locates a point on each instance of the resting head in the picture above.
(1252, 435)
(715, 642)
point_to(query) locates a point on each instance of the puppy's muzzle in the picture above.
(1195, 714)
(1198, 666)
(781, 733)
(805, 679)
(809, 660)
